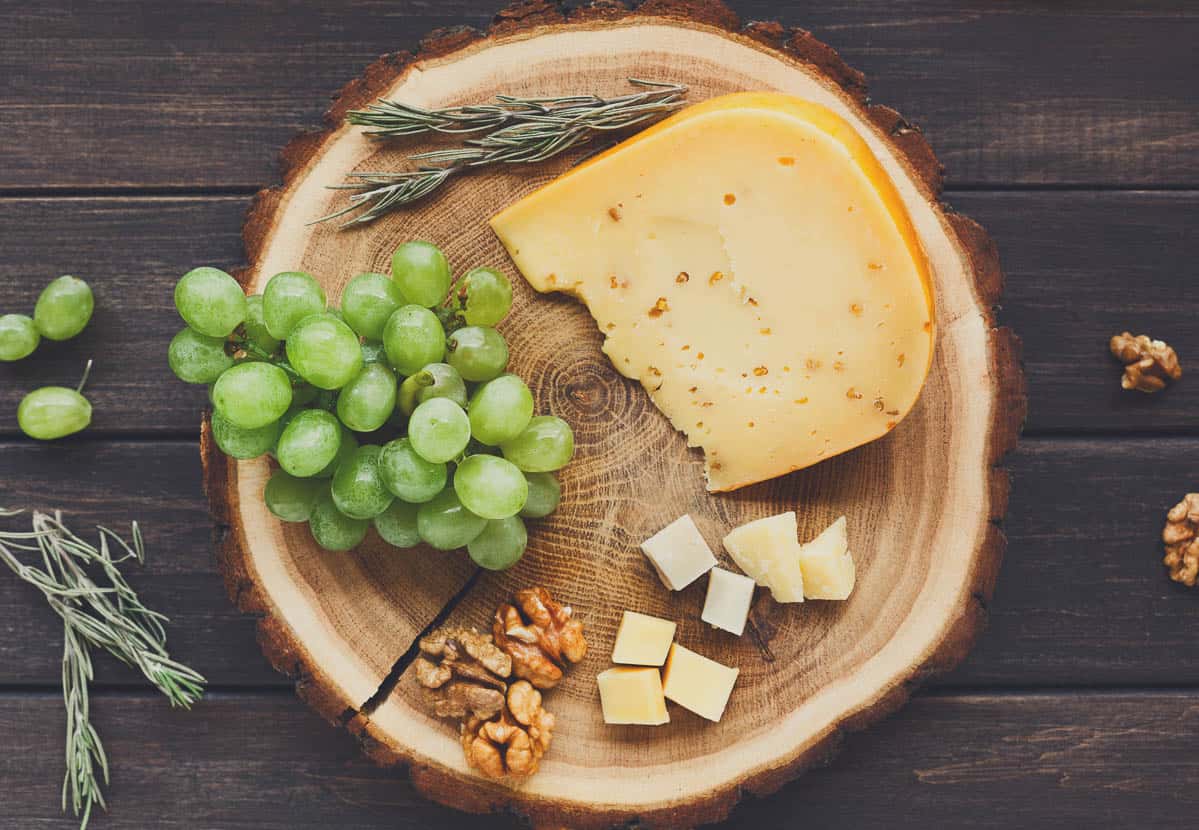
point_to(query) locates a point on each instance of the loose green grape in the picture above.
(501, 544)
(545, 445)
(488, 297)
(332, 529)
(236, 442)
(358, 489)
(407, 475)
(544, 494)
(490, 487)
(478, 353)
(500, 410)
(439, 430)
(373, 352)
(255, 323)
(292, 499)
(437, 380)
(290, 297)
(445, 524)
(208, 300)
(367, 401)
(197, 358)
(309, 443)
(252, 395)
(65, 306)
(18, 337)
(325, 351)
(345, 451)
(53, 412)
(413, 338)
(421, 271)
(367, 301)
(397, 525)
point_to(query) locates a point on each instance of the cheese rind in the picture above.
(768, 551)
(697, 683)
(727, 604)
(828, 569)
(751, 263)
(679, 553)
(643, 640)
(632, 696)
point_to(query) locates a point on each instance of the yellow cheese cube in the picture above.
(728, 600)
(632, 696)
(768, 550)
(679, 553)
(697, 683)
(828, 571)
(642, 640)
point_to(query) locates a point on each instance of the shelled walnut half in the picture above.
(541, 635)
(463, 672)
(1182, 540)
(513, 743)
(1149, 365)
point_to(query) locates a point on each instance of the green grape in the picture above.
(208, 300)
(358, 489)
(236, 442)
(53, 412)
(309, 443)
(292, 499)
(252, 394)
(544, 494)
(397, 525)
(500, 410)
(501, 544)
(332, 529)
(290, 297)
(18, 337)
(445, 524)
(478, 353)
(197, 358)
(373, 352)
(345, 451)
(413, 338)
(256, 330)
(366, 402)
(488, 297)
(325, 351)
(490, 487)
(545, 445)
(65, 306)
(409, 476)
(439, 430)
(437, 380)
(367, 301)
(421, 271)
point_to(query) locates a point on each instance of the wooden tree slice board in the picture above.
(922, 503)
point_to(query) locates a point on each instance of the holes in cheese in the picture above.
(763, 280)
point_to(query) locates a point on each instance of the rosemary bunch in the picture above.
(517, 131)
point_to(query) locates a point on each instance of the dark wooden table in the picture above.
(132, 135)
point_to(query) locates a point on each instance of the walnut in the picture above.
(1149, 365)
(464, 673)
(512, 744)
(540, 635)
(1182, 540)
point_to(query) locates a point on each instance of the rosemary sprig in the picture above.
(81, 785)
(518, 131)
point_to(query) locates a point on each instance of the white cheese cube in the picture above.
(768, 550)
(828, 569)
(632, 696)
(643, 640)
(679, 553)
(728, 600)
(697, 683)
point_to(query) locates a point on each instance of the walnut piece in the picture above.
(1149, 365)
(1182, 540)
(512, 744)
(464, 672)
(540, 635)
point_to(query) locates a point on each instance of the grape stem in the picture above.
(87, 370)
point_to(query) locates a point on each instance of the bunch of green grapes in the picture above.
(394, 411)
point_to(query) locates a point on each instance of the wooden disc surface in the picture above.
(922, 503)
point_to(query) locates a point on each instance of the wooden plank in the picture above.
(1082, 597)
(1080, 267)
(981, 761)
(191, 94)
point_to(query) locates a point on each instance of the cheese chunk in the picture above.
(697, 683)
(752, 264)
(768, 550)
(642, 640)
(828, 571)
(632, 696)
(679, 553)
(727, 603)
